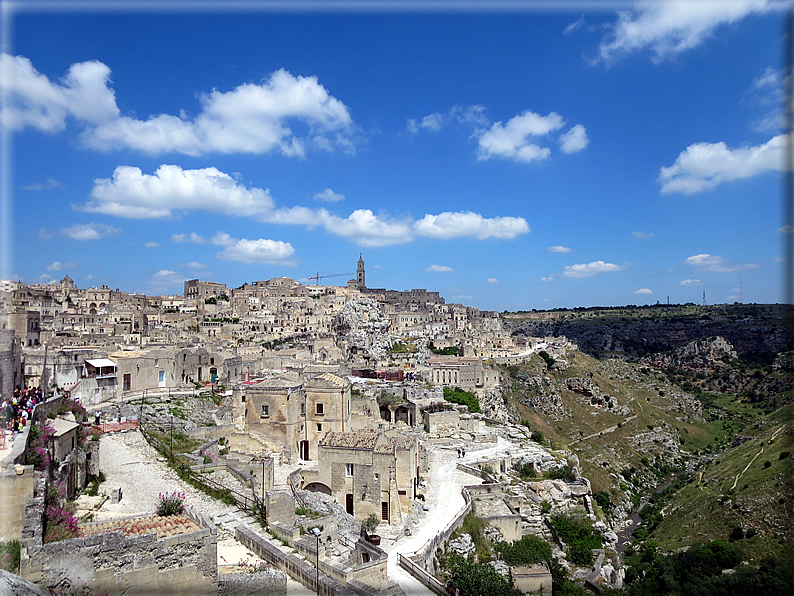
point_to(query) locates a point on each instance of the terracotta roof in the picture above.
(170, 525)
(361, 439)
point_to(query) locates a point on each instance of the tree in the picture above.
(478, 579)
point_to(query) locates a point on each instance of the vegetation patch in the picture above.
(464, 398)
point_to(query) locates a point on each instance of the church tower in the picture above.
(360, 278)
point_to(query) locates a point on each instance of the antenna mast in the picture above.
(704, 297)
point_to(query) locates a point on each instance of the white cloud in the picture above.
(787, 229)
(432, 122)
(46, 278)
(643, 235)
(574, 140)
(670, 27)
(192, 237)
(329, 196)
(165, 273)
(547, 278)
(131, 193)
(689, 282)
(718, 264)
(261, 251)
(578, 24)
(223, 239)
(48, 185)
(644, 291)
(466, 223)
(58, 266)
(436, 121)
(439, 268)
(151, 244)
(251, 118)
(560, 249)
(588, 269)
(33, 101)
(196, 265)
(512, 141)
(90, 231)
(493, 280)
(172, 190)
(704, 166)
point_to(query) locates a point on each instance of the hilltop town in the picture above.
(350, 439)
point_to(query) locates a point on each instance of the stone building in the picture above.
(368, 473)
(293, 414)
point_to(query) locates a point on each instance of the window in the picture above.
(348, 470)
(319, 427)
(243, 398)
(265, 410)
(319, 408)
(303, 409)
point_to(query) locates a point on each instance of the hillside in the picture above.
(636, 425)
(755, 330)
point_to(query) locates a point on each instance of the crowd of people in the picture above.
(18, 409)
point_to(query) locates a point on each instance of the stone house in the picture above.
(368, 473)
(292, 414)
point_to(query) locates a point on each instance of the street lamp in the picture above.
(316, 532)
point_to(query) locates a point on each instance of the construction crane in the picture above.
(318, 277)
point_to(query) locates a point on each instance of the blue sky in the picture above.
(598, 154)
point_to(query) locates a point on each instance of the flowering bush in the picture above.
(37, 454)
(171, 503)
(60, 524)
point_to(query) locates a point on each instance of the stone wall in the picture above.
(443, 424)
(116, 564)
(15, 490)
(272, 583)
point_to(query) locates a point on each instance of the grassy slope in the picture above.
(640, 392)
(763, 497)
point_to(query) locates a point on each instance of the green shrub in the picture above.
(465, 398)
(527, 551)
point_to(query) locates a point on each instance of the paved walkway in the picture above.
(444, 501)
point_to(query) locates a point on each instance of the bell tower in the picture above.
(360, 276)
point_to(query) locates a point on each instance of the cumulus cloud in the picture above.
(89, 231)
(151, 244)
(133, 194)
(574, 140)
(588, 269)
(514, 139)
(172, 191)
(466, 223)
(644, 291)
(670, 27)
(196, 265)
(643, 235)
(165, 273)
(432, 122)
(493, 280)
(560, 249)
(719, 264)
(261, 251)
(329, 196)
(251, 118)
(689, 282)
(48, 185)
(704, 166)
(439, 268)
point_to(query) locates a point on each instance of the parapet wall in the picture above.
(119, 565)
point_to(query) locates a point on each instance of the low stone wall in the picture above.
(295, 566)
(120, 565)
(425, 554)
(272, 583)
(15, 490)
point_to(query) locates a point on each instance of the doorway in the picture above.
(349, 503)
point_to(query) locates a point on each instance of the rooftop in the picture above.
(362, 439)
(170, 525)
